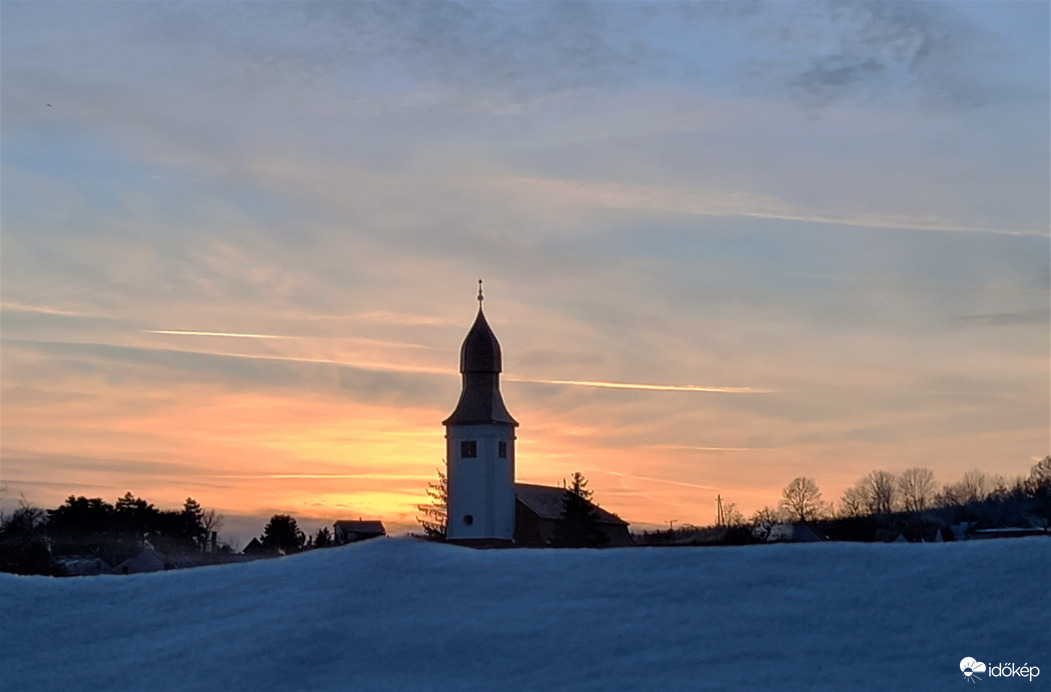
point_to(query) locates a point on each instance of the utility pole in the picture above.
(719, 510)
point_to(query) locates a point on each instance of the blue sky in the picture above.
(842, 207)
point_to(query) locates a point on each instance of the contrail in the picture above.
(681, 483)
(291, 476)
(242, 336)
(651, 387)
(360, 339)
(717, 449)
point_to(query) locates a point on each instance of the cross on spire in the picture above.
(480, 296)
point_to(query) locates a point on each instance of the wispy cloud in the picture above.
(716, 449)
(402, 319)
(334, 337)
(1003, 318)
(745, 204)
(116, 349)
(41, 309)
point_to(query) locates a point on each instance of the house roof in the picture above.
(546, 502)
(799, 532)
(360, 526)
(149, 560)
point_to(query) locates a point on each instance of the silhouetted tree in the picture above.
(916, 488)
(323, 538)
(1038, 487)
(80, 516)
(134, 516)
(972, 488)
(801, 499)
(853, 502)
(23, 546)
(282, 534)
(211, 522)
(731, 515)
(25, 523)
(880, 492)
(193, 530)
(435, 513)
(578, 527)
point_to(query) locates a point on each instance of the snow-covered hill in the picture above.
(394, 614)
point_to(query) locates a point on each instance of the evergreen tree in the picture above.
(434, 514)
(282, 534)
(578, 527)
(323, 538)
(191, 526)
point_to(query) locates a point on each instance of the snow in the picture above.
(396, 614)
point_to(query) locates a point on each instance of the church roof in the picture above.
(480, 401)
(546, 502)
(480, 351)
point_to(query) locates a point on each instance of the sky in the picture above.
(240, 246)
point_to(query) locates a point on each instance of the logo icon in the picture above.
(970, 667)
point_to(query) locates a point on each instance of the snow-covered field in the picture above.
(394, 614)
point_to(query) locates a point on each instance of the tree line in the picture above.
(282, 536)
(35, 541)
(884, 504)
(915, 490)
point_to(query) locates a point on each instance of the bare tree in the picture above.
(211, 522)
(854, 502)
(973, 487)
(1038, 487)
(1039, 476)
(731, 515)
(880, 492)
(801, 499)
(917, 488)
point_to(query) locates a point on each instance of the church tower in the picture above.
(480, 446)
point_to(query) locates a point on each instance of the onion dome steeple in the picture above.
(480, 364)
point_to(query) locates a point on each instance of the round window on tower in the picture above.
(468, 519)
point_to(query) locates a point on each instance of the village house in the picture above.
(353, 531)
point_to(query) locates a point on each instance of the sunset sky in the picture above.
(241, 244)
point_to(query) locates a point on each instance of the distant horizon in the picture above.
(724, 245)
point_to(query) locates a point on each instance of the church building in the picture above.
(486, 508)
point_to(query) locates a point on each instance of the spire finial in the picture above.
(480, 296)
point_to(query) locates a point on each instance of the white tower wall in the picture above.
(481, 488)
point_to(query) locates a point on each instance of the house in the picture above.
(354, 531)
(255, 547)
(799, 532)
(149, 560)
(486, 507)
(538, 511)
(85, 566)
